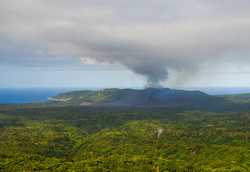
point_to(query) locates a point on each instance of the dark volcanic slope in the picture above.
(133, 97)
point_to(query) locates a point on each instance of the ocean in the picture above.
(27, 95)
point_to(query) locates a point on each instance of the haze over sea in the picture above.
(31, 95)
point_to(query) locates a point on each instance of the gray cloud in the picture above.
(148, 37)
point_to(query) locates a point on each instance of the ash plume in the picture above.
(151, 39)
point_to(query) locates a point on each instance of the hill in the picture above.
(134, 97)
(238, 98)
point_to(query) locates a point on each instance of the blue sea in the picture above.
(27, 95)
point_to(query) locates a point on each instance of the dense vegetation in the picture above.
(123, 139)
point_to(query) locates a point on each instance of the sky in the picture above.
(132, 43)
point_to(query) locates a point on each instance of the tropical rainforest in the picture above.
(123, 139)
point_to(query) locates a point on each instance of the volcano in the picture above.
(135, 97)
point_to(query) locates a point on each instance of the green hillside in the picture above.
(99, 96)
(238, 98)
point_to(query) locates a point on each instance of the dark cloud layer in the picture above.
(148, 37)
